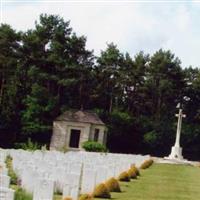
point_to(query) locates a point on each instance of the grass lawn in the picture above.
(160, 182)
(163, 182)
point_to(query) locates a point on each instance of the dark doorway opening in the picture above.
(96, 135)
(74, 138)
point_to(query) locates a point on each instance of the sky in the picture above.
(133, 26)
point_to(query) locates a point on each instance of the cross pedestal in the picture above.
(176, 153)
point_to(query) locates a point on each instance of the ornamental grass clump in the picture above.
(146, 164)
(136, 170)
(132, 173)
(101, 191)
(86, 197)
(113, 185)
(124, 177)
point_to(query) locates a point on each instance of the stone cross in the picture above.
(180, 115)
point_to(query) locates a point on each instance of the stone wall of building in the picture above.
(58, 136)
(62, 132)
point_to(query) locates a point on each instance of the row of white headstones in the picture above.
(42, 173)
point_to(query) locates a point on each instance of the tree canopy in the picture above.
(48, 69)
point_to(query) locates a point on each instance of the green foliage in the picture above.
(9, 102)
(122, 131)
(94, 146)
(151, 138)
(11, 173)
(48, 69)
(31, 146)
(39, 103)
(21, 194)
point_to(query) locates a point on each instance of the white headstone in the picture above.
(43, 190)
(88, 181)
(71, 186)
(6, 194)
(4, 181)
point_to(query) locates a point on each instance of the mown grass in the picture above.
(163, 182)
(20, 196)
(160, 182)
(57, 197)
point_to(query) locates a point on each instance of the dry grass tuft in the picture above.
(101, 191)
(113, 185)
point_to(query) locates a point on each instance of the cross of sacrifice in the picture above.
(180, 115)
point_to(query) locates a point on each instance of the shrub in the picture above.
(86, 197)
(136, 170)
(29, 145)
(94, 146)
(132, 173)
(21, 194)
(124, 177)
(11, 173)
(146, 164)
(101, 191)
(113, 185)
(151, 138)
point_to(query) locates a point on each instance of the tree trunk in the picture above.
(80, 96)
(1, 90)
(111, 103)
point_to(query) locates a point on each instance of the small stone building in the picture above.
(73, 128)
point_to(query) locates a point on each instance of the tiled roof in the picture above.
(80, 116)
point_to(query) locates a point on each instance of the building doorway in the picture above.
(96, 134)
(74, 138)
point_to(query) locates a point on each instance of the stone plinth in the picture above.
(176, 156)
(176, 153)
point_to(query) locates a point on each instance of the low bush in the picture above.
(85, 197)
(11, 173)
(136, 170)
(124, 177)
(132, 173)
(101, 191)
(113, 185)
(146, 164)
(94, 146)
(21, 194)
(29, 145)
